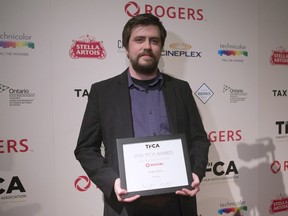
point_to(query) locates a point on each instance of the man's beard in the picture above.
(146, 69)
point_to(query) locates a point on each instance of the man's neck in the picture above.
(140, 76)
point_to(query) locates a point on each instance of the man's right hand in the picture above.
(120, 192)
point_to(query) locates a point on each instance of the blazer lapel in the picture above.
(170, 102)
(124, 107)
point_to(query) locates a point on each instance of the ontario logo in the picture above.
(87, 47)
(279, 57)
(236, 95)
(280, 204)
(18, 97)
(181, 13)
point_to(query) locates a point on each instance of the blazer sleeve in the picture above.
(197, 137)
(88, 149)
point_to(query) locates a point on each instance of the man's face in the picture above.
(144, 49)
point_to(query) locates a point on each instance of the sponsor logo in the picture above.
(18, 97)
(153, 164)
(282, 129)
(81, 92)
(279, 204)
(82, 183)
(181, 50)
(237, 208)
(204, 93)
(279, 93)
(181, 13)
(277, 166)
(87, 47)
(232, 52)
(13, 146)
(221, 172)
(16, 42)
(225, 136)
(12, 190)
(236, 95)
(279, 56)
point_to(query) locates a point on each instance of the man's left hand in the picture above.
(195, 187)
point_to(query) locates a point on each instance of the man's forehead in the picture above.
(146, 30)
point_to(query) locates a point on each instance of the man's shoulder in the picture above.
(171, 80)
(112, 80)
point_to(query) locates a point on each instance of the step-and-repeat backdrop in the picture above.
(233, 54)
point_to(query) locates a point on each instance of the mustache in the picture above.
(144, 53)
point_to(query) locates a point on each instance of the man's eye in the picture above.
(139, 40)
(155, 41)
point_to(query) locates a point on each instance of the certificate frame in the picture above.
(172, 162)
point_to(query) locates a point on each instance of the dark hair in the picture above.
(142, 20)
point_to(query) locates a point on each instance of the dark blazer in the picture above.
(108, 117)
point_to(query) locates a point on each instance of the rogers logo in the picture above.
(133, 9)
(82, 183)
(276, 166)
(153, 164)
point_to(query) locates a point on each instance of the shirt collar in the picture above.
(159, 78)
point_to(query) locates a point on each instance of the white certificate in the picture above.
(154, 165)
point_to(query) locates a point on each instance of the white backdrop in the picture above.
(222, 48)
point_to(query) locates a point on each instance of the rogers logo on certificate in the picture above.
(153, 164)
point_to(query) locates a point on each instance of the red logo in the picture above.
(181, 13)
(279, 57)
(276, 166)
(279, 205)
(82, 183)
(87, 47)
(132, 9)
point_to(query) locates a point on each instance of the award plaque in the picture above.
(154, 165)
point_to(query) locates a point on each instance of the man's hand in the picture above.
(195, 187)
(120, 192)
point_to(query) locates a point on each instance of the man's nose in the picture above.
(147, 44)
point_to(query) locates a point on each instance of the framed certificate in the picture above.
(154, 165)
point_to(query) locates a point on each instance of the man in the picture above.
(141, 102)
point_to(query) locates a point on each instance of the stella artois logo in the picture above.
(279, 205)
(87, 47)
(279, 57)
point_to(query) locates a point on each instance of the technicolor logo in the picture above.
(181, 13)
(181, 50)
(236, 207)
(280, 204)
(87, 47)
(82, 183)
(232, 52)
(16, 41)
(279, 57)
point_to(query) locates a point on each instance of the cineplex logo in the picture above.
(182, 13)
